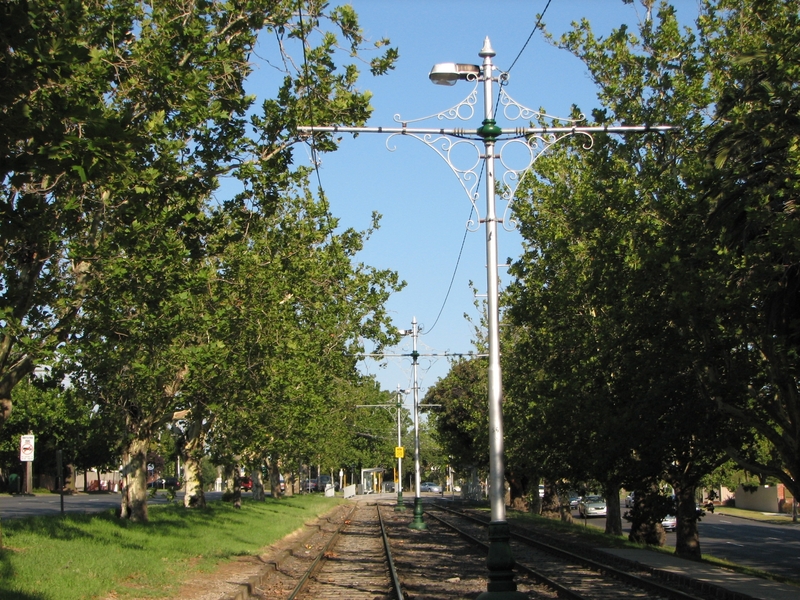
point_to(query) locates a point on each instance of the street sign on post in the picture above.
(26, 448)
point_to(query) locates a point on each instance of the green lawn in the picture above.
(88, 556)
(753, 515)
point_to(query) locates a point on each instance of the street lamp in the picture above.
(500, 560)
(417, 522)
(533, 141)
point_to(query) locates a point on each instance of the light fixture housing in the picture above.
(449, 73)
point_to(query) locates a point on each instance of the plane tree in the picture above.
(176, 87)
(752, 188)
(461, 421)
(111, 110)
(293, 310)
(615, 277)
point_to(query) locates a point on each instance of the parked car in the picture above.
(592, 506)
(574, 501)
(669, 523)
(165, 483)
(246, 484)
(429, 486)
(309, 485)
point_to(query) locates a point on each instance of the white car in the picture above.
(669, 523)
(592, 506)
(429, 486)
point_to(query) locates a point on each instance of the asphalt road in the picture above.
(771, 548)
(15, 507)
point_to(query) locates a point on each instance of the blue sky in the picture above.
(424, 208)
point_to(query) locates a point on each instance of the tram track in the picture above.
(567, 573)
(352, 561)
(371, 552)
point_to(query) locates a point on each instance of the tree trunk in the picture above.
(613, 512)
(645, 529)
(11, 377)
(237, 487)
(687, 544)
(69, 482)
(134, 471)
(5, 410)
(550, 502)
(193, 481)
(258, 484)
(517, 488)
(288, 479)
(566, 513)
(192, 467)
(275, 479)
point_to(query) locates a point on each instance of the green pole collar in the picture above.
(489, 131)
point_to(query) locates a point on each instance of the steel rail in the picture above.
(561, 591)
(392, 570)
(318, 560)
(624, 576)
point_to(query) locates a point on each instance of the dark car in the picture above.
(165, 483)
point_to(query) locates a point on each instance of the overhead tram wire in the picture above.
(535, 28)
(480, 176)
(314, 155)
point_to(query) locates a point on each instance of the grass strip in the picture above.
(89, 556)
(754, 515)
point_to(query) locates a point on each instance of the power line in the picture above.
(480, 178)
(314, 159)
(535, 28)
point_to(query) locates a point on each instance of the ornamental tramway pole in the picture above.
(534, 141)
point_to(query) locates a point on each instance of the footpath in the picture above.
(712, 578)
(744, 586)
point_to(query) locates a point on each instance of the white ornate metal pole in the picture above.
(500, 560)
(535, 141)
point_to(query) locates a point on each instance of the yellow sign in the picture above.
(399, 452)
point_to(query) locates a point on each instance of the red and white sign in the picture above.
(26, 448)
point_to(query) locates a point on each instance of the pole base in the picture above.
(400, 506)
(417, 522)
(501, 584)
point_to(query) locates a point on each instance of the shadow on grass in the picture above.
(6, 575)
(66, 527)
(165, 521)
